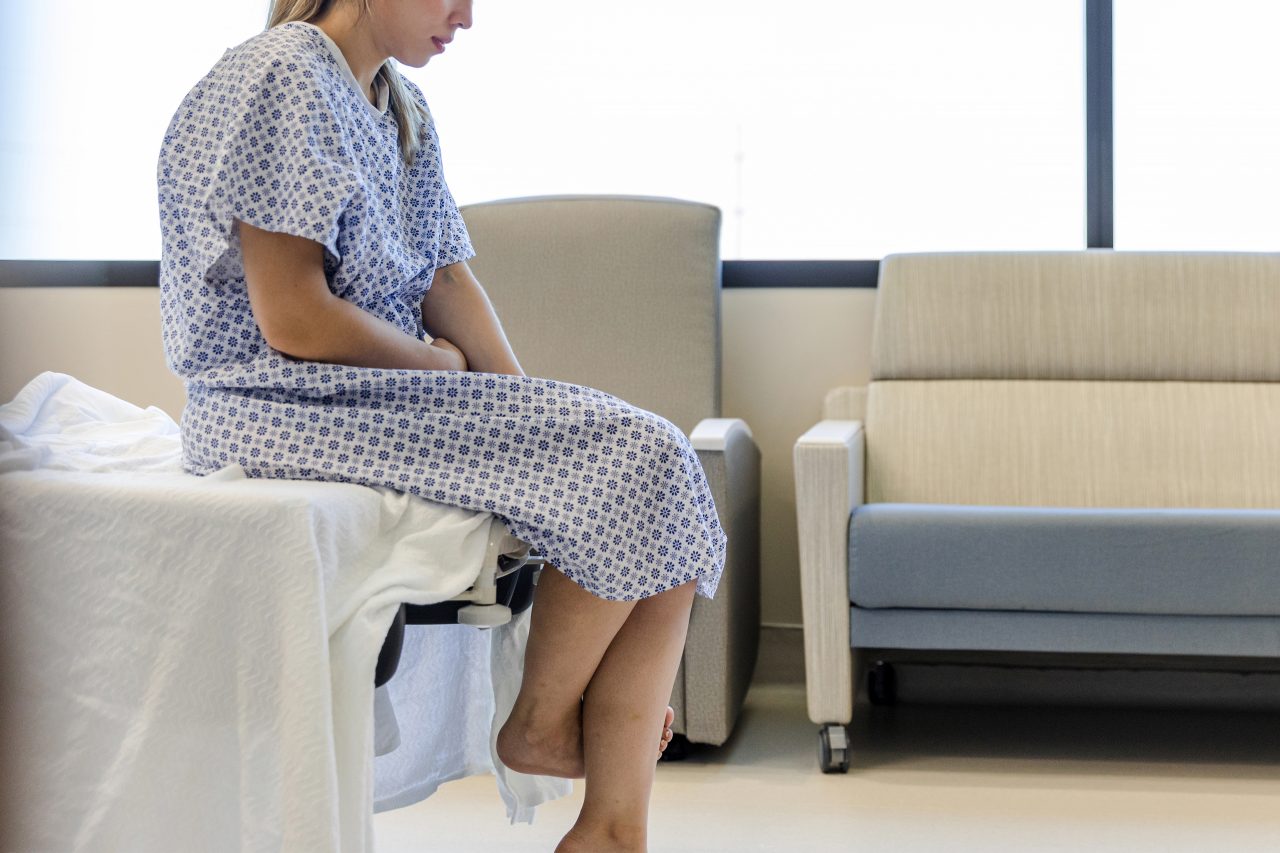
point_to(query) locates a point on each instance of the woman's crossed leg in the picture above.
(597, 677)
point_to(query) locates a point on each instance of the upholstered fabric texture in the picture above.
(1078, 315)
(1178, 561)
(1083, 633)
(714, 685)
(1081, 444)
(611, 293)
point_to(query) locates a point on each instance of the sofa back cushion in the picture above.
(1192, 316)
(1087, 379)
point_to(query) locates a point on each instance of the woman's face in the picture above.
(413, 31)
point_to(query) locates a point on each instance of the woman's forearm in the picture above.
(299, 316)
(457, 309)
(338, 332)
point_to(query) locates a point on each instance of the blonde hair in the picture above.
(409, 114)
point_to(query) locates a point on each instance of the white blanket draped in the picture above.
(188, 662)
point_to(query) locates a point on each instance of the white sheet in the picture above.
(210, 686)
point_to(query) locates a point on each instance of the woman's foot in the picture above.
(542, 747)
(553, 748)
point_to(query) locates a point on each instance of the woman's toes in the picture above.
(667, 734)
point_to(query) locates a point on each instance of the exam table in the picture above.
(190, 662)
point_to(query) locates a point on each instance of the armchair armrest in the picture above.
(829, 461)
(717, 433)
(724, 633)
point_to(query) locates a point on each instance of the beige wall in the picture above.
(108, 337)
(783, 349)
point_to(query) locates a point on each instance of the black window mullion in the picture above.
(1099, 125)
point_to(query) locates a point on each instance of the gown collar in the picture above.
(379, 85)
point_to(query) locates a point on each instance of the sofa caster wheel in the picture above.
(833, 748)
(882, 684)
(678, 749)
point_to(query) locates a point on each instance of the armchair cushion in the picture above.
(1135, 561)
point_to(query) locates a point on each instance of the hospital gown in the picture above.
(279, 135)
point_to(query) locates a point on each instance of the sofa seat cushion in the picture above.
(1139, 561)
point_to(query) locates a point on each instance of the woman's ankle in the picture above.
(604, 838)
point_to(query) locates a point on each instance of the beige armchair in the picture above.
(623, 295)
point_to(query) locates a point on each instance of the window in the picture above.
(88, 89)
(827, 130)
(1197, 125)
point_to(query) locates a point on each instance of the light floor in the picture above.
(927, 778)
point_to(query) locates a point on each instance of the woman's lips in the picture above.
(439, 44)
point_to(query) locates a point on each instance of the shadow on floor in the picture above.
(774, 732)
(1233, 743)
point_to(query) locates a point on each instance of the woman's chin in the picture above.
(415, 60)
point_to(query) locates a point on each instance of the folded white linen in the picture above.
(194, 656)
(444, 734)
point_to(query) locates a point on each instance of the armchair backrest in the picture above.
(616, 293)
(1090, 378)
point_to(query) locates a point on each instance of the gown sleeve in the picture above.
(455, 243)
(286, 164)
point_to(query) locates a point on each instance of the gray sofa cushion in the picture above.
(1140, 561)
(1073, 633)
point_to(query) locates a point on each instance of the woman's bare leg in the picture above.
(623, 656)
(569, 631)
(625, 703)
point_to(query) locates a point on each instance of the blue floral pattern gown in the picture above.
(279, 135)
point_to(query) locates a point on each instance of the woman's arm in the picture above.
(457, 307)
(300, 317)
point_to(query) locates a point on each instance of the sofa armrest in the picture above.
(829, 485)
(724, 633)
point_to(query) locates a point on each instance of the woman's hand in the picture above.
(461, 359)
(457, 307)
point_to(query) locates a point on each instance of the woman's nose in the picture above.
(463, 16)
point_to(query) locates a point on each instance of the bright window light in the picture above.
(1197, 125)
(843, 129)
(833, 129)
(88, 89)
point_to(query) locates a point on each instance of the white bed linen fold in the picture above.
(204, 680)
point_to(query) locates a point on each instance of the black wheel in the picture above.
(882, 684)
(678, 749)
(833, 749)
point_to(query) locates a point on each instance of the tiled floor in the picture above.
(928, 777)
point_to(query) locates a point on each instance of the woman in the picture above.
(317, 301)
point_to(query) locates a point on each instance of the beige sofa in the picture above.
(1058, 453)
(623, 294)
